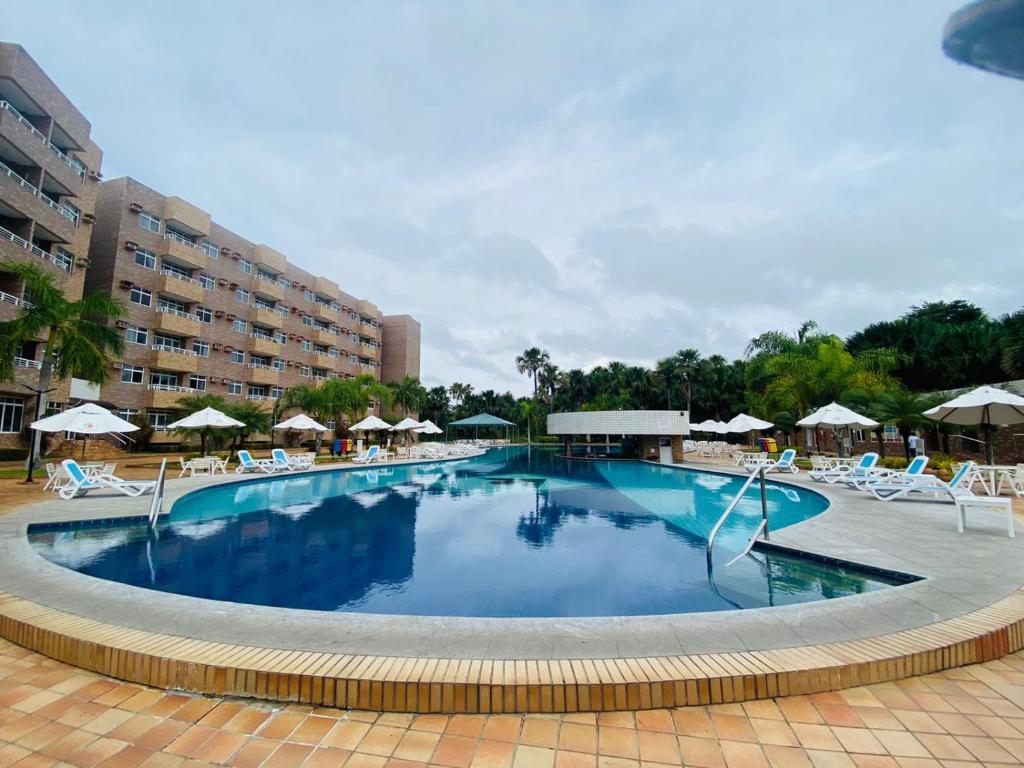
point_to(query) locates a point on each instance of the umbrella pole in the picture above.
(989, 452)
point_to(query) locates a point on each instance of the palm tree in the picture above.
(408, 394)
(530, 362)
(528, 413)
(1013, 343)
(79, 343)
(193, 404)
(547, 378)
(255, 418)
(460, 392)
(903, 409)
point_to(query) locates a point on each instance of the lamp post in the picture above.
(32, 438)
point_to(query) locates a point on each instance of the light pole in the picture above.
(32, 438)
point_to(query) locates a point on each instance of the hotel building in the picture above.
(49, 175)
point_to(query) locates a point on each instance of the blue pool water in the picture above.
(517, 532)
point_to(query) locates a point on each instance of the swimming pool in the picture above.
(516, 532)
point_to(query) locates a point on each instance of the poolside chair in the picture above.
(79, 484)
(861, 470)
(964, 499)
(1014, 479)
(877, 474)
(370, 454)
(284, 461)
(246, 463)
(56, 477)
(784, 463)
(914, 480)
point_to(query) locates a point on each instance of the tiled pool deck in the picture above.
(968, 608)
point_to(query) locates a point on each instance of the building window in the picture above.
(237, 356)
(12, 409)
(307, 345)
(284, 282)
(304, 370)
(276, 392)
(213, 251)
(244, 265)
(308, 320)
(262, 303)
(240, 326)
(195, 381)
(145, 259)
(280, 337)
(352, 358)
(205, 315)
(53, 408)
(207, 281)
(148, 221)
(234, 387)
(159, 420)
(141, 297)
(161, 380)
(242, 295)
(180, 236)
(308, 295)
(135, 335)
(201, 348)
(176, 307)
(167, 342)
(127, 413)
(64, 259)
(132, 374)
(278, 364)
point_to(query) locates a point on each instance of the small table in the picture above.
(206, 464)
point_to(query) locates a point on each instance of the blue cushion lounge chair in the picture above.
(964, 499)
(784, 464)
(876, 474)
(368, 456)
(899, 486)
(246, 463)
(859, 470)
(80, 484)
(284, 461)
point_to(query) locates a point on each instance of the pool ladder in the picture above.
(761, 528)
(156, 505)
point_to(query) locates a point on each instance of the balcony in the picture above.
(326, 287)
(163, 396)
(17, 248)
(183, 252)
(368, 309)
(365, 350)
(65, 170)
(182, 214)
(324, 337)
(263, 374)
(265, 256)
(325, 312)
(178, 287)
(176, 322)
(265, 347)
(33, 204)
(267, 287)
(174, 359)
(263, 316)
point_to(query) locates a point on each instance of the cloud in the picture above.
(610, 182)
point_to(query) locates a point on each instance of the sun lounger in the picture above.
(784, 464)
(79, 483)
(283, 460)
(913, 480)
(246, 463)
(964, 499)
(370, 454)
(861, 470)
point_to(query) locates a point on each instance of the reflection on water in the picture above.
(516, 532)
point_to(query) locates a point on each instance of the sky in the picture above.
(605, 180)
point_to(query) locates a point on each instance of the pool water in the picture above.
(517, 532)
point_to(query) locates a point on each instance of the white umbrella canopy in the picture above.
(745, 423)
(86, 419)
(301, 422)
(208, 418)
(836, 415)
(369, 424)
(429, 428)
(985, 406)
(405, 424)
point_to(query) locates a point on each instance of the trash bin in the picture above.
(770, 445)
(346, 445)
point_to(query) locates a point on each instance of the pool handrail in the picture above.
(763, 527)
(158, 495)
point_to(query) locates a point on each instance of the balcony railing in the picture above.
(23, 362)
(184, 241)
(18, 178)
(282, 311)
(173, 388)
(178, 276)
(267, 279)
(178, 312)
(7, 298)
(260, 397)
(265, 338)
(261, 366)
(74, 162)
(175, 350)
(36, 250)
(66, 211)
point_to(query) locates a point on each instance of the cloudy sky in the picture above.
(605, 180)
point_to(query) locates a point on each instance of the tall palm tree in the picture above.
(528, 414)
(194, 403)
(547, 378)
(255, 418)
(460, 392)
(1013, 343)
(530, 362)
(408, 394)
(903, 409)
(79, 342)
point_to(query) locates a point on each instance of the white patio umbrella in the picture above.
(429, 428)
(743, 422)
(302, 423)
(708, 425)
(836, 416)
(85, 419)
(405, 424)
(205, 420)
(986, 406)
(369, 424)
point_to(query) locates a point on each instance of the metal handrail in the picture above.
(759, 474)
(158, 495)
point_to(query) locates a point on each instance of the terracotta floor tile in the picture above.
(454, 751)
(96, 752)
(733, 727)
(880, 718)
(280, 726)
(160, 735)
(253, 753)
(693, 722)
(741, 754)
(288, 756)
(190, 740)
(995, 727)
(493, 754)
(577, 738)
(657, 747)
(144, 699)
(436, 723)
(247, 720)
(466, 725)
(986, 749)
(20, 727)
(220, 714)
(381, 740)
(501, 727)
(565, 759)
(220, 747)
(167, 705)
(655, 720)
(944, 747)
(346, 735)
(40, 737)
(786, 757)
(776, 732)
(859, 740)
(701, 753)
(901, 744)
(312, 730)
(539, 733)
(359, 760)
(326, 757)
(917, 721)
(193, 710)
(765, 709)
(799, 710)
(820, 759)
(35, 761)
(617, 742)
(417, 746)
(839, 714)
(129, 757)
(617, 719)
(533, 757)
(133, 727)
(64, 747)
(37, 701)
(875, 761)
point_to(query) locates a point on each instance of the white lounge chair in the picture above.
(1013, 479)
(913, 480)
(370, 454)
(56, 477)
(79, 484)
(784, 464)
(284, 461)
(246, 463)
(964, 499)
(861, 470)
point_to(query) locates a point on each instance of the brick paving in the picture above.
(52, 714)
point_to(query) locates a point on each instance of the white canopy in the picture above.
(369, 424)
(429, 428)
(301, 422)
(405, 424)
(836, 415)
(708, 425)
(744, 423)
(86, 419)
(208, 418)
(984, 405)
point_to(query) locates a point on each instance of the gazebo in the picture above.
(480, 420)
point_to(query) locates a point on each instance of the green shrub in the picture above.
(894, 462)
(13, 454)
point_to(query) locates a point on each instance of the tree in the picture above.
(902, 409)
(79, 342)
(547, 378)
(255, 418)
(530, 362)
(460, 392)
(436, 406)
(527, 414)
(408, 394)
(195, 403)
(1012, 346)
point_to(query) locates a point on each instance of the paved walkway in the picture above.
(53, 714)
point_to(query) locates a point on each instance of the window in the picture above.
(257, 391)
(267, 276)
(173, 269)
(237, 356)
(145, 259)
(278, 364)
(161, 380)
(127, 413)
(262, 333)
(148, 221)
(308, 295)
(234, 387)
(276, 392)
(211, 250)
(280, 337)
(12, 409)
(167, 342)
(332, 352)
(205, 315)
(307, 345)
(304, 370)
(195, 381)
(132, 374)
(64, 259)
(331, 425)
(201, 348)
(141, 297)
(240, 326)
(307, 320)
(176, 307)
(242, 295)
(53, 408)
(284, 282)
(352, 358)
(180, 236)
(262, 303)
(207, 281)
(244, 265)
(159, 420)
(135, 335)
